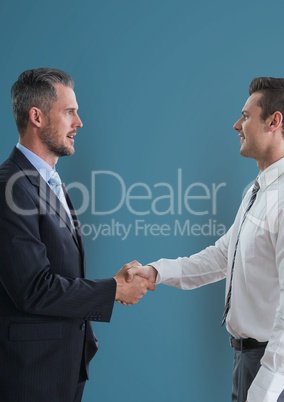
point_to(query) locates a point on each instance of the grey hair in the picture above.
(35, 88)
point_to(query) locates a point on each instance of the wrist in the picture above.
(153, 273)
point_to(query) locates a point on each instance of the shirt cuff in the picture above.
(169, 272)
(266, 387)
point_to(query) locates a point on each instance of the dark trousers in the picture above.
(79, 391)
(246, 366)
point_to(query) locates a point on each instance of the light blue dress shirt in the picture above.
(44, 169)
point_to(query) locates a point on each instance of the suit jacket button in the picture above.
(83, 327)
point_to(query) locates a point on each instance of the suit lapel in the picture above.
(46, 193)
(75, 219)
(49, 197)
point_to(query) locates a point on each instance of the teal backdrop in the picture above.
(159, 84)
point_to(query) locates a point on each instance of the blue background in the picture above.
(159, 84)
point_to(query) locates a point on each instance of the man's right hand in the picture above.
(147, 272)
(130, 291)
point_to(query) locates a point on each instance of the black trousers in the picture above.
(79, 391)
(246, 366)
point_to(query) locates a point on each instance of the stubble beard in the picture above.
(50, 138)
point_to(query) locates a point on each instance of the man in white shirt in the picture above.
(250, 255)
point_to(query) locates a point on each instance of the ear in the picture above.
(36, 116)
(276, 121)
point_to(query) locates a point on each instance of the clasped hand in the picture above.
(133, 281)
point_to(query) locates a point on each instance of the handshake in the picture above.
(133, 281)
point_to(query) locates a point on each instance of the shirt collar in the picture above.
(44, 169)
(271, 174)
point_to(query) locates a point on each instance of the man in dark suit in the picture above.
(46, 304)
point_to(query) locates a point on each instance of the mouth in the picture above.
(71, 137)
(242, 137)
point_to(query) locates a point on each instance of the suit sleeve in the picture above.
(33, 284)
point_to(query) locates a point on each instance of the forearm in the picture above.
(206, 267)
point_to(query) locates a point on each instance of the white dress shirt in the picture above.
(257, 303)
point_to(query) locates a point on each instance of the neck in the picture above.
(262, 165)
(33, 147)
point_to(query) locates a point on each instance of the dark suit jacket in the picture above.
(46, 305)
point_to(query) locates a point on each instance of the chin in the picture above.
(244, 152)
(247, 154)
(65, 152)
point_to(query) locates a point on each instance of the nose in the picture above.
(237, 126)
(79, 122)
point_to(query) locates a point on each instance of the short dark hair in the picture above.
(36, 88)
(272, 90)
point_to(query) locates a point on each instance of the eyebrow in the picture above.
(71, 108)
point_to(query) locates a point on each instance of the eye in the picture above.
(69, 111)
